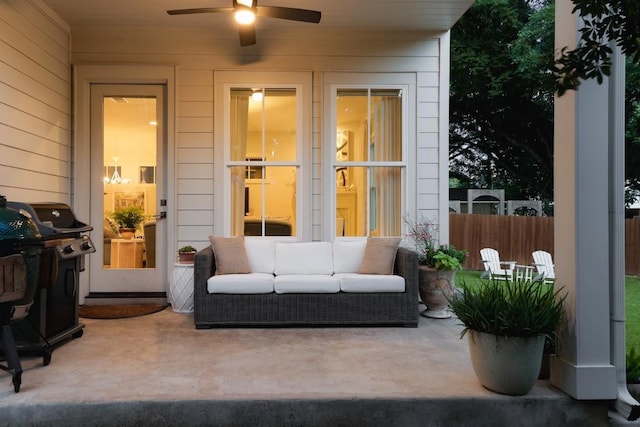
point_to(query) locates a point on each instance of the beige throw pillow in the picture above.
(230, 254)
(379, 255)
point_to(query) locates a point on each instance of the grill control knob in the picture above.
(69, 249)
(86, 246)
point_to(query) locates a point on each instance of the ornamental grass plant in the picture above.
(520, 308)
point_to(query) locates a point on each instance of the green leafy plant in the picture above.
(520, 308)
(633, 366)
(423, 234)
(186, 249)
(129, 217)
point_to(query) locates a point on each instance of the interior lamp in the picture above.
(245, 12)
(256, 96)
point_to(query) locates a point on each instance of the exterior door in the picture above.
(127, 188)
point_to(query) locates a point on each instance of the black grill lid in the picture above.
(16, 226)
(53, 219)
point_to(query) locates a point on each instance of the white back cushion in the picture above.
(261, 253)
(347, 254)
(304, 258)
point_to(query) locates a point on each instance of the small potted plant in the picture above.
(128, 220)
(437, 266)
(186, 254)
(507, 324)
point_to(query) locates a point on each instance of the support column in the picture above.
(582, 367)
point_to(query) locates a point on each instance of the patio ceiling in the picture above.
(364, 15)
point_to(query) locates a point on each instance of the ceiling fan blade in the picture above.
(290, 13)
(200, 10)
(247, 35)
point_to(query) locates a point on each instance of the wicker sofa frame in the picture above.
(281, 310)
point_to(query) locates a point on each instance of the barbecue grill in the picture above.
(55, 306)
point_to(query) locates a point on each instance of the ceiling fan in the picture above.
(245, 14)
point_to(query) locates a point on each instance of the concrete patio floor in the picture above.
(159, 370)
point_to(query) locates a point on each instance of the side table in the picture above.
(126, 253)
(181, 288)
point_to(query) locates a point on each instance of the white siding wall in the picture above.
(34, 103)
(198, 54)
(194, 156)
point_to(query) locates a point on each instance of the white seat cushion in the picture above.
(261, 253)
(252, 283)
(347, 254)
(304, 258)
(306, 284)
(370, 283)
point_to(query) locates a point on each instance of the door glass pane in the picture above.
(129, 182)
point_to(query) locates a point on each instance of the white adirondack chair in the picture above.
(493, 267)
(544, 267)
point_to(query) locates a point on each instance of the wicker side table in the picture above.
(181, 288)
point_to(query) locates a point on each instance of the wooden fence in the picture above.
(516, 237)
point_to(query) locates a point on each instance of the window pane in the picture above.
(386, 125)
(239, 115)
(385, 192)
(280, 125)
(263, 127)
(265, 206)
(351, 115)
(371, 203)
(351, 201)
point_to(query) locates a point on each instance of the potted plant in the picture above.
(437, 267)
(128, 220)
(186, 254)
(506, 324)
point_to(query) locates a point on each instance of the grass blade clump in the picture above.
(519, 308)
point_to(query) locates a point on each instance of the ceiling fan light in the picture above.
(245, 16)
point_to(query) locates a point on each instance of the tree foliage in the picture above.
(503, 78)
(501, 98)
(605, 21)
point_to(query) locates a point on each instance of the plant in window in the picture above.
(128, 219)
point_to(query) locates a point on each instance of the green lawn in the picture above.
(632, 306)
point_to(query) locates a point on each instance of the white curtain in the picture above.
(239, 119)
(387, 134)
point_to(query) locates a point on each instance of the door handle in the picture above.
(162, 215)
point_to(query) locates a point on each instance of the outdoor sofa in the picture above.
(304, 284)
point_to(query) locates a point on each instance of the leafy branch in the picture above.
(605, 21)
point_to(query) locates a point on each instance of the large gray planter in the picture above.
(506, 365)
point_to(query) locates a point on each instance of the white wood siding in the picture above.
(198, 54)
(35, 159)
(194, 156)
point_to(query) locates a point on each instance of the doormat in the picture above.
(119, 311)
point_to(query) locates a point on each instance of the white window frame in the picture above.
(336, 81)
(224, 81)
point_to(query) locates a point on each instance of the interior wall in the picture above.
(35, 108)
